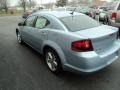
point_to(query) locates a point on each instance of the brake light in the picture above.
(82, 46)
(114, 16)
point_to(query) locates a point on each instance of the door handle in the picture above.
(44, 33)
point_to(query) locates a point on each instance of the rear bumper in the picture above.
(90, 62)
(91, 65)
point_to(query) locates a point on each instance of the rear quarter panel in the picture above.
(61, 40)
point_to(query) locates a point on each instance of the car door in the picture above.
(28, 28)
(39, 34)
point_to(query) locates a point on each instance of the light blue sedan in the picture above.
(70, 41)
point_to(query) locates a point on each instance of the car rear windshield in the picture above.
(104, 8)
(83, 9)
(113, 5)
(79, 22)
(118, 7)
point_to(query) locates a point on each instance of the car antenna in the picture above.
(73, 11)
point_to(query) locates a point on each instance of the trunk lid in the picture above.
(102, 37)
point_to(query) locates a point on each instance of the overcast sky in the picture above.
(14, 2)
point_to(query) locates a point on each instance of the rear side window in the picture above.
(30, 21)
(41, 22)
(79, 22)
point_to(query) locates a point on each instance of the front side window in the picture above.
(41, 22)
(30, 21)
(79, 22)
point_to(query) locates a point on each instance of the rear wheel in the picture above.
(52, 61)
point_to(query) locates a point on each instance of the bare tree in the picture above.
(31, 4)
(27, 3)
(4, 5)
(61, 3)
(23, 4)
(0, 6)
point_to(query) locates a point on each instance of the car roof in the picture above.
(58, 14)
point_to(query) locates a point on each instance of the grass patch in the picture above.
(2, 14)
(15, 14)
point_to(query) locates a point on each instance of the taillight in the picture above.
(114, 16)
(82, 46)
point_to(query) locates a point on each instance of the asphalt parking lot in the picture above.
(22, 68)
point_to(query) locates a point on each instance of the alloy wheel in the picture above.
(19, 38)
(51, 61)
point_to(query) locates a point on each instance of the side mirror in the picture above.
(21, 24)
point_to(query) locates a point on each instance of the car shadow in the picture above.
(97, 79)
(78, 79)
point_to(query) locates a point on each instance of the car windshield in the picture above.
(83, 9)
(79, 22)
(104, 8)
(113, 5)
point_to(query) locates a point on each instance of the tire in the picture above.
(19, 39)
(52, 61)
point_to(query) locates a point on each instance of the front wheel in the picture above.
(19, 39)
(53, 61)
